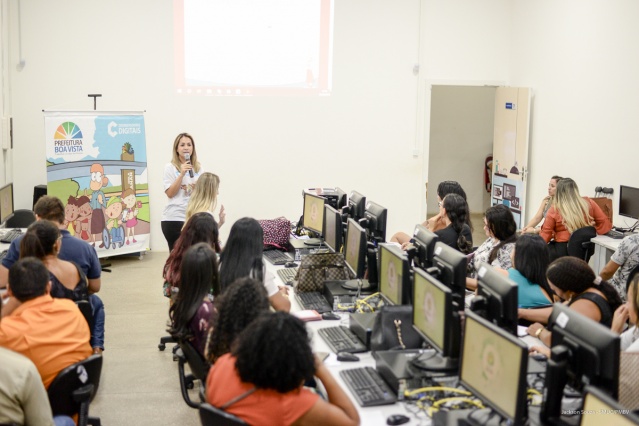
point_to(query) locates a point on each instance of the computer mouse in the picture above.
(397, 419)
(348, 357)
(539, 357)
(290, 265)
(330, 316)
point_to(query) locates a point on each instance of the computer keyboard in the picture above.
(277, 257)
(341, 339)
(11, 235)
(367, 386)
(287, 274)
(313, 300)
(617, 235)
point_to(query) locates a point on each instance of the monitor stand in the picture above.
(357, 284)
(313, 242)
(435, 362)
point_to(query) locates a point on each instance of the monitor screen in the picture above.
(314, 212)
(6, 202)
(629, 202)
(497, 298)
(451, 265)
(431, 307)
(394, 274)
(355, 248)
(375, 220)
(333, 229)
(599, 407)
(494, 366)
(424, 242)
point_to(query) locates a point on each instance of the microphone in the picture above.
(187, 158)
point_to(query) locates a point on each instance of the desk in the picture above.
(604, 248)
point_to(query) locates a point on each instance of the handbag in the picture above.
(316, 268)
(393, 329)
(605, 204)
(276, 232)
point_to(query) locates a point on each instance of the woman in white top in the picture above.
(204, 198)
(629, 311)
(180, 176)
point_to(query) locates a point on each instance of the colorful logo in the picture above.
(68, 130)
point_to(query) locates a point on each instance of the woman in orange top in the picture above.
(261, 380)
(570, 212)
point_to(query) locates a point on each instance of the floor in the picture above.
(139, 383)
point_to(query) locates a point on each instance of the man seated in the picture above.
(51, 332)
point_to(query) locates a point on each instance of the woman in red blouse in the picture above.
(570, 212)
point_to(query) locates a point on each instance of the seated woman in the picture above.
(629, 311)
(201, 228)
(624, 260)
(570, 212)
(574, 282)
(204, 197)
(530, 263)
(533, 225)
(261, 380)
(192, 312)
(501, 230)
(436, 222)
(243, 251)
(457, 233)
(237, 307)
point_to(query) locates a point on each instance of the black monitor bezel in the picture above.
(424, 242)
(304, 225)
(356, 205)
(611, 403)
(501, 295)
(13, 208)
(361, 266)
(339, 228)
(625, 213)
(405, 286)
(376, 216)
(521, 408)
(455, 261)
(447, 349)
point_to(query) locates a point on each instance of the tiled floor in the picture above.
(139, 384)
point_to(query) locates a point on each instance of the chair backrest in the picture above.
(198, 365)
(212, 416)
(86, 310)
(82, 374)
(21, 218)
(580, 245)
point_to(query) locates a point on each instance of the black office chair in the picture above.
(86, 310)
(579, 244)
(212, 416)
(73, 389)
(199, 367)
(21, 218)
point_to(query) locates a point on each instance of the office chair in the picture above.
(73, 389)
(87, 312)
(212, 416)
(21, 218)
(579, 244)
(199, 367)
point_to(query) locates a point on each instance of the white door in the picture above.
(510, 150)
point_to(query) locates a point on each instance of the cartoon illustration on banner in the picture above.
(97, 166)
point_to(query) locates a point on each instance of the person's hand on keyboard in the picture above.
(283, 289)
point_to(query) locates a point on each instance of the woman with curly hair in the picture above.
(192, 312)
(242, 257)
(237, 307)
(201, 228)
(573, 281)
(261, 380)
(457, 233)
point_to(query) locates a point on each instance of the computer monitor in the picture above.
(355, 255)
(629, 202)
(374, 222)
(496, 298)
(494, 367)
(583, 352)
(598, 406)
(437, 321)
(342, 198)
(449, 266)
(333, 229)
(394, 275)
(356, 205)
(424, 243)
(6, 202)
(314, 217)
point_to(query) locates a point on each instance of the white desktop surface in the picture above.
(604, 248)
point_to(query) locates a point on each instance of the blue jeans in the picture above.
(63, 421)
(97, 333)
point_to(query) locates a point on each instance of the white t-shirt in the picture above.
(269, 283)
(175, 210)
(630, 340)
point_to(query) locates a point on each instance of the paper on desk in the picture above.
(522, 331)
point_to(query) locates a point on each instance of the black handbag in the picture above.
(393, 329)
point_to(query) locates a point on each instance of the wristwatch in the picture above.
(538, 332)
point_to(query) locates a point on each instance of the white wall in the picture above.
(266, 150)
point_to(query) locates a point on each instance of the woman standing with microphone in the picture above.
(180, 176)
